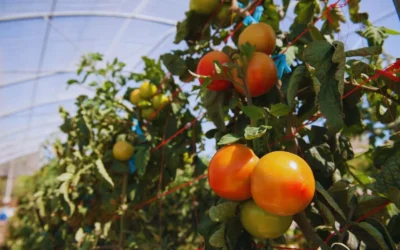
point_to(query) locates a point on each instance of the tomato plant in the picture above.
(287, 105)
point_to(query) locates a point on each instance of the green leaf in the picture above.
(218, 238)
(72, 81)
(319, 54)
(192, 28)
(375, 35)
(368, 203)
(297, 77)
(339, 57)
(270, 15)
(224, 211)
(251, 133)
(228, 139)
(142, 159)
(64, 190)
(254, 112)
(372, 233)
(382, 229)
(174, 63)
(326, 213)
(291, 54)
(119, 167)
(305, 11)
(102, 170)
(248, 50)
(233, 230)
(280, 109)
(321, 160)
(332, 24)
(330, 201)
(391, 32)
(389, 175)
(393, 228)
(316, 35)
(64, 177)
(206, 229)
(367, 51)
(214, 102)
(394, 196)
(355, 15)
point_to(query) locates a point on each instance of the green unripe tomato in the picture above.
(261, 224)
(204, 7)
(147, 90)
(147, 113)
(159, 100)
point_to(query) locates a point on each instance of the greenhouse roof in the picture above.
(42, 41)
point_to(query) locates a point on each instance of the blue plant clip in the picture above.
(258, 13)
(249, 20)
(137, 129)
(281, 64)
(255, 18)
(132, 166)
(3, 217)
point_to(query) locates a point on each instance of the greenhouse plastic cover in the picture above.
(42, 41)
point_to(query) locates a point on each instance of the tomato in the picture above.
(204, 7)
(206, 68)
(261, 35)
(282, 183)
(159, 100)
(123, 150)
(261, 224)
(229, 172)
(147, 113)
(261, 75)
(147, 90)
(135, 96)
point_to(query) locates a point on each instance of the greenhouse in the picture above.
(199, 124)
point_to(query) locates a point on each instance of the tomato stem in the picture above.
(308, 231)
(123, 198)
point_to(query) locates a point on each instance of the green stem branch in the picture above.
(124, 200)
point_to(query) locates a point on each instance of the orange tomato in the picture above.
(229, 172)
(261, 75)
(282, 183)
(261, 35)
(206, 68)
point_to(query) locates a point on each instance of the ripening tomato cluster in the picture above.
(147, 99)
(261, 71)
(273, 188)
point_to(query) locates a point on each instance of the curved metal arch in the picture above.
(35, 106)
(25, 16)
(27, 128)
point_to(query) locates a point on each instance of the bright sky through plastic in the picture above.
(29, 106)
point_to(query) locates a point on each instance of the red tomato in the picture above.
(206, 68)
(229, 172)
(282, 183)
(261, 75)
